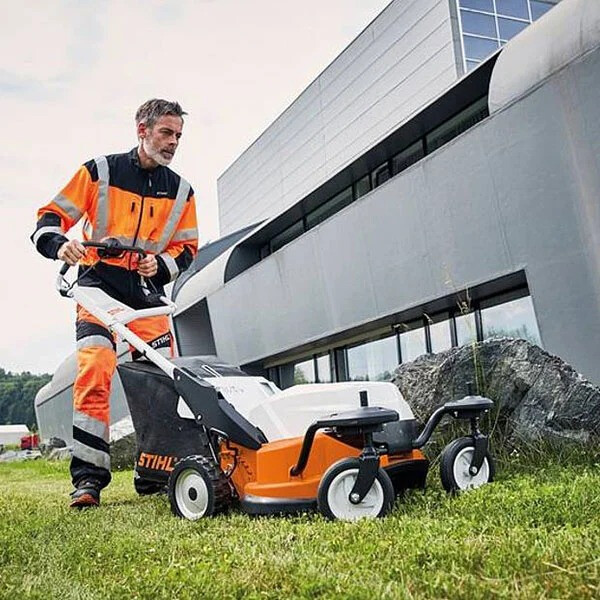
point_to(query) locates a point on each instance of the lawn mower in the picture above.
(211, 435)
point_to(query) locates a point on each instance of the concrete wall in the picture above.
(403, 59)
(518, 191)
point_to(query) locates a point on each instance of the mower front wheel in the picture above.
(333, 498)
(198, 488)
(455, 466)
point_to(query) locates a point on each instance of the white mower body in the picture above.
(288, 413)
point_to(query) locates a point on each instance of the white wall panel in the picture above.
(401, 61)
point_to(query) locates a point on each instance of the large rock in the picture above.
(538, 395)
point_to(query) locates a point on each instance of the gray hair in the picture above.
(152, 110)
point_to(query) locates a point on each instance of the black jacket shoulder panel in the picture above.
(90, 165)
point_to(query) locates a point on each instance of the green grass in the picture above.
(534, 533)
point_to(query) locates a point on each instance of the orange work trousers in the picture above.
(96, 363)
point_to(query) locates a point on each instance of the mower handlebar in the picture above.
(111, 248)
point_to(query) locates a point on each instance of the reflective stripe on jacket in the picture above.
(154, 209)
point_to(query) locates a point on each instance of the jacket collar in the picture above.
(135, 160)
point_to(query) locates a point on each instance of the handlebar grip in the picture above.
(64, 268)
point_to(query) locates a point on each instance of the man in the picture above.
(137, 199)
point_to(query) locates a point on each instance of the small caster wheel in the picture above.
(455, 466)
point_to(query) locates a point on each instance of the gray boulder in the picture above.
(537, 395)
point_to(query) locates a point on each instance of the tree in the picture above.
(17, 395)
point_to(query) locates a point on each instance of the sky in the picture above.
(72, 74)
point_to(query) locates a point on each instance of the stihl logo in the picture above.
(164, 340)
(156, 461)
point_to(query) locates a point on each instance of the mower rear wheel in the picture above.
(334, 491)
(198, 488)
(455, 465)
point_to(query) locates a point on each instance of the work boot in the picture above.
(87, 494)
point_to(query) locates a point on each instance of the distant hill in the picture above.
(17, 393)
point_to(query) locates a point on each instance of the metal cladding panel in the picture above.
(398, 63)
(518, 191)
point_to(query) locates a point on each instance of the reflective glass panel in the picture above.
(381, 175)
(412, 344)
(440, 336)
(478, 23)
(471, 64)
(330, 207)
(514, 319)
(466, 331)
(324, 368)
(539, 8)
(478, 4)
(362, 186)
(508, 28)
(286, 236)
(457, 125)
(513, 8)
(479, 48)
(408, 157)
(373, 361)
(304, 372)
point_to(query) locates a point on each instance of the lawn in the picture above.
(534, 533)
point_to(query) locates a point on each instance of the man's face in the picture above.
(161, 141)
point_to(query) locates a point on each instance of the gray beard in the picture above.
(154, 154)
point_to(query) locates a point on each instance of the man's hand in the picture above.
(148, 267)
(71, 252)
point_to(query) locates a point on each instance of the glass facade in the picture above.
(440, 335)
(515, 319)
(304, 372)
(412, 344)
(373, 361)
(488, 24)
(505, 315)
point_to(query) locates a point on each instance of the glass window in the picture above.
(412, 344)
(286, 236)
(508, 28)
(373, 361)
(479, 48)
(513, 8)
(362, 186)
(304, 372)
(455, 126)
(478, 23)
(478, 4)
(408, 157)
(330, 207)
(324, 368)
(381, 175)
(514, 319)
(539, 8)
(440, 336)
(265, 251)
(471, 64)
(466, 331)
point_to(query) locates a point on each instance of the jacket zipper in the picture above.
(137, 231)
(149, 187)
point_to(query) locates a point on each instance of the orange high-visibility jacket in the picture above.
(154, 209)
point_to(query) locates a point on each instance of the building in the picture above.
(412, 199)
(418, 194)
